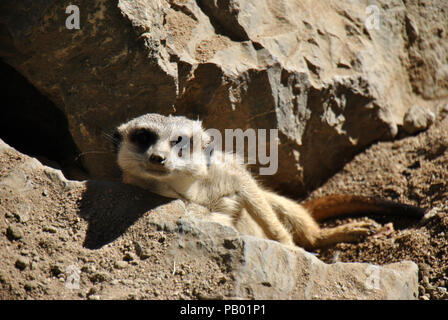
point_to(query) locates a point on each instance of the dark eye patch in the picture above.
(143, 138)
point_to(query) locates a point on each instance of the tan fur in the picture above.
(223, 185)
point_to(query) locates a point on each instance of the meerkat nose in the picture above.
(156, 159)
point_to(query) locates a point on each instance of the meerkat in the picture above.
(151, 153)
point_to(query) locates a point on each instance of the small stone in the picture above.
(22, 263)
(421, 289)
(9, 215)
(94, 297)
(14, 233)
(30, 285)
(129, 256)
(91, 291)
(425, 297)
(418, 119)
(88, 268)
(22, 217)
(99, 277)
(141, 252)
(114, 282)
(50, 229)
(121, 264)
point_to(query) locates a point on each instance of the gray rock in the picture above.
(265, 269)
(329, 82)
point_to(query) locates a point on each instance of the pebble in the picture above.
(22, 263)
(114, 282)
(417, 119)
(22, 217)
(129, 256)
(9, 215)
(14, 233)
(99, 277)
(121, 264)
(50, 229)
(30, 285)
(141, 252)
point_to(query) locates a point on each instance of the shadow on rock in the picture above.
(110, 208)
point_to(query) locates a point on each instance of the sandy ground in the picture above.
(412, 170)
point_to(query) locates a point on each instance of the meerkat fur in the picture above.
(150, 154)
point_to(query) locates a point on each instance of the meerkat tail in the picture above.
(346, 205)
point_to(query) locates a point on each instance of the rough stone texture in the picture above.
(417, 119)
(312, 69)
(97, 226)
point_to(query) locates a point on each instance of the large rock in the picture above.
(105, 240)
(333, 77)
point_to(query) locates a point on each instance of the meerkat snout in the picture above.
(157, 160)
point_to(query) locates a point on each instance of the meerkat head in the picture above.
(155, 146)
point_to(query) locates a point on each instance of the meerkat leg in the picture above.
(350, 232)
(305, 230)
(296, 219)
(254, 201)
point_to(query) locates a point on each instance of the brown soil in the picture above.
(413, 170)
(47, 231)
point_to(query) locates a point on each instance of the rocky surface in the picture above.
(64, 239)
(342, 81)
(333, 77)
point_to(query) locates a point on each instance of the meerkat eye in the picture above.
(143, 138)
